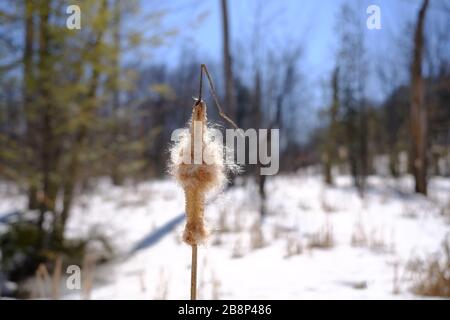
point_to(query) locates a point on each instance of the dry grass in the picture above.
(304, 206)
(359, 236)
(445, 212)
(326, 206)
(48, 286)
(216, 285)
(431, 276)
(396, 278)
(375, 240)
(277, 232)
(257, 240)
(141, 277)
(162, 289)
(131, 203)
(89, 263)
(410, 211)
(42, 282)
(238, 250)
(217, 240)
(322, 238)
(237, 223)
(177, 234)
(223, 223)
(294, 246)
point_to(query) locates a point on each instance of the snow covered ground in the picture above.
(316, 242)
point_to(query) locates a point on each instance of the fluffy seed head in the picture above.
(197, 179)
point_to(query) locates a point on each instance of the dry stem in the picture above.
(194, 273)
(216, 100)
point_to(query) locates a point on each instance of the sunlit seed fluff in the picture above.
(197, 179)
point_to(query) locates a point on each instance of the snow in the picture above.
(392, 224)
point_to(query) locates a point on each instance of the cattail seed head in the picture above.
(197, 177)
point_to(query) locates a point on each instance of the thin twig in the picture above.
(216, 100)
(194, 273)
(42, 279)
(200, 85)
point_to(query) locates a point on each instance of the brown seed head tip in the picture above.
(199, 112)
(195, 233)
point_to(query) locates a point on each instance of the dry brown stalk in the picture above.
(196, 177)
(56, 279)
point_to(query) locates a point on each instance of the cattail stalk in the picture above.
(194, 273)
(195, 196)
(196, 176)
(196, 179)
(56, 279)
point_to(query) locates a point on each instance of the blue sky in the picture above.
(311, 23)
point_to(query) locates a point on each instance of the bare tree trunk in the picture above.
(115, 87)
(393, 162)
(331, 139)
(28, 82)
(47, 144)
(228, 69)
(257, 107)
(418, 115)
(363, 152)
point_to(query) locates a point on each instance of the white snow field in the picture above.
(316, 242)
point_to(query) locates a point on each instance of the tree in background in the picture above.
(230, 102)
(68, 127)
(418, 113)
(331, 136)
(352, 78)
